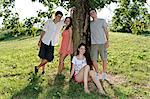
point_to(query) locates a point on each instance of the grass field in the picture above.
(128, 68)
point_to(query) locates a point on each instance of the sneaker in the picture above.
(97, 76)
(102, 92)
(36, 69)
(43, 72)
(103, 76)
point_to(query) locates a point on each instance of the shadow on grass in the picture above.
(10, 75)
(56, 89)
(116, 91)
(31, 91)
(76, 91)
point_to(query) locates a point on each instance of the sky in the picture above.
(26, 8)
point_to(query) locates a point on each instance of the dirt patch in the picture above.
(116, 79)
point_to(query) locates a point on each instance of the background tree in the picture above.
(10, 19)
(131, 16)
(11, 24)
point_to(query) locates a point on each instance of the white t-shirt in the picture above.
(78, 64)
(52, 32)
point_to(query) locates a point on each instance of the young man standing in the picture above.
(48, 39)
(99, 41)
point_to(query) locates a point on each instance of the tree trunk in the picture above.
(81, 18)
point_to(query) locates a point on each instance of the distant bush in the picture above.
(4, 34)
(11, 33)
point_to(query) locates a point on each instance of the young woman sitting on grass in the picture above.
(81, 70)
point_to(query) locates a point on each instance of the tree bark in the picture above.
(81, 20)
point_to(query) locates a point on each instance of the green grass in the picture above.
(128, 59)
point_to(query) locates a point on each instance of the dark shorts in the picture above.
(46, 52)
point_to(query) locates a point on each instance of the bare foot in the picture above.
(86, 91)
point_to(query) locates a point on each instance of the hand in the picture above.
(70, 78)
(107, 44)
(72, 9)
(39, 44)
(97, 76)
(68, 49)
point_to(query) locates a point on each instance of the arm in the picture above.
(70, 39)
(86, 23)
(71, 12)
(106, 34)
(43, 32)
(72, 71)
(41, 36)
(107, 37)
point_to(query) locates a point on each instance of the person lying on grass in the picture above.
(81, 71)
